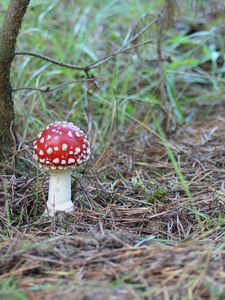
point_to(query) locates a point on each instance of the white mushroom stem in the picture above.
(59, 195)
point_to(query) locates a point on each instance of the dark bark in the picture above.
(8, 36)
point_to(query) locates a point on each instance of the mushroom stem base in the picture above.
(59, 195)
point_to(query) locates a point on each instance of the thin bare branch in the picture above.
(102, 60)
(48, 89)
(87, 68)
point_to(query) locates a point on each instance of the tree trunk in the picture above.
(8, 36)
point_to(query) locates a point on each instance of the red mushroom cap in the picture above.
(61, 145)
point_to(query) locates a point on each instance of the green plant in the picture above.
(9, 290)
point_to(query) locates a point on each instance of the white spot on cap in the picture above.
(71, 152)
(79, 161)
(41, 152)
(39, 135)
(49, 150)
(56, 137)
(42, 140)
(71, 160)
(35, 146)
(77, 150)
(56, 148)
(47, 162)
(63, 162)
(49, 137)
(42, 160)
(56, 161)
(77, 133)
(69, 133)
(84, 146)
(64, 147)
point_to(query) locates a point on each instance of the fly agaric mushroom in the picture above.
(59, 148)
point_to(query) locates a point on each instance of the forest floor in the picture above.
(134, 234)
(149, 207)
